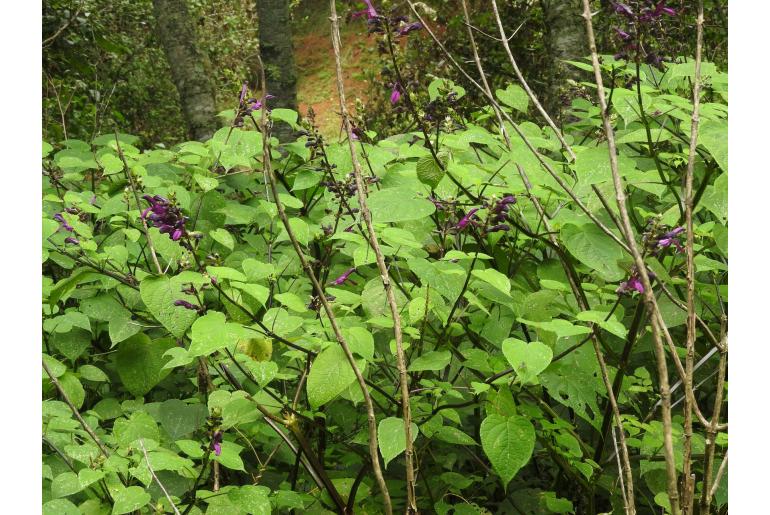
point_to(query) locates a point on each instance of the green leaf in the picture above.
(392, 438)
(206, 183)
(330, 375)
(450, 434)
(611, 325)
(527, 359)
(159, 294)
(251, 499)
(140, 425)
(72, 387)
(230, 456)
(60, 507)
(65, 484)
(508, 442)
(433, 360)
(594, 249)
(429, 172)
(223, 237)
(212, 332)
(514, 96)
(130, 499)
(713, 136)
(398, 205)
(286, 115)
(140, 361)
(494, 278)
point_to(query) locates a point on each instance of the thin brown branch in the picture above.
(652, 305)
(384, 274)
(689, 479)
(152, 472)
(523, 82)
(628, 492)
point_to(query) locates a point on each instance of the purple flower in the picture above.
(216, 443)
(464, 221)
(370, 12)
(63, 223)
(344, 277)
(633, 283)
(625, 36)
(244, 91)
(500, 227)
(672, 238)
(186, 305)
(71, 240)
(660, 8)
(623, 9)
(166, 216)
(395, 95)
(406, 29)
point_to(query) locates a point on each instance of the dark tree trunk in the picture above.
(275, 43)
(176, 32)
(565, 41)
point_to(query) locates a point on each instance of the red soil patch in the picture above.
(317, 86)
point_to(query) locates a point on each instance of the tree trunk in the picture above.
(277, 52)
(176, 32)
(565, 41)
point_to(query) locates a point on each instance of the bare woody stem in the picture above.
(656, 319)
(482, 75)
(384, 274)
(689, 481)
(372, 420)
(527, 89)
(152, 472)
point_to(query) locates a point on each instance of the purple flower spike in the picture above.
(244, 91)
(165, 216)
(660, 8)
(500, 227)
(344, 277)
(63, 223)
(672, 238)
(625, 36)
(464, 221)
(216, 443)
(406, 29)
(371, 12)
(186, 305)
(395, 95)
(633, 283)
(72, 241)
(623, 9)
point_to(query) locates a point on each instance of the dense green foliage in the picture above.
(208, 306)
(509, 408)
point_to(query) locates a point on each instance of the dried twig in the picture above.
(149, 467)
(530, 93)
(657, 320)
(384, 274)
(689, 481)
